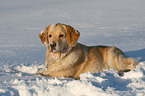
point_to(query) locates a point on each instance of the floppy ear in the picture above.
(44, 36)
(73, 35)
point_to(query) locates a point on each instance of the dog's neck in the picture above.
(62, 54)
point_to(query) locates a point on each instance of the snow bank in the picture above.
(106, 83)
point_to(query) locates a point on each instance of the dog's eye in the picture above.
(50, 35)
(61, 35)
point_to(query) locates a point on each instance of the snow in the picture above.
(117, 23)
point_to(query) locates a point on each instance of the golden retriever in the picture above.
(67, 58)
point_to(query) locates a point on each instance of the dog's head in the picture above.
(58, 37)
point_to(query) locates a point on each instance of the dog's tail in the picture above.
(131, 63)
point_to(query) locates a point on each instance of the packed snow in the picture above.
(117, 23)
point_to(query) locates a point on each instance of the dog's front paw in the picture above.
(39, 72)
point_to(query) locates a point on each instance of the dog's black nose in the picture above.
(53, 44)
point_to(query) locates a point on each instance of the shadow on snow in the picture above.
(138, 53)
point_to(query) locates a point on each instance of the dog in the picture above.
(65, 57)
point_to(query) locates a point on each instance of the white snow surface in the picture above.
(119, 23)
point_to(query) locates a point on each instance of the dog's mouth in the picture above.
(54, 50)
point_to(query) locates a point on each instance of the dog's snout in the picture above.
(52, 44)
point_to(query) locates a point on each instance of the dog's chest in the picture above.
(57, 63)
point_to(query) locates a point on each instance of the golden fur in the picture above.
(65, 57)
